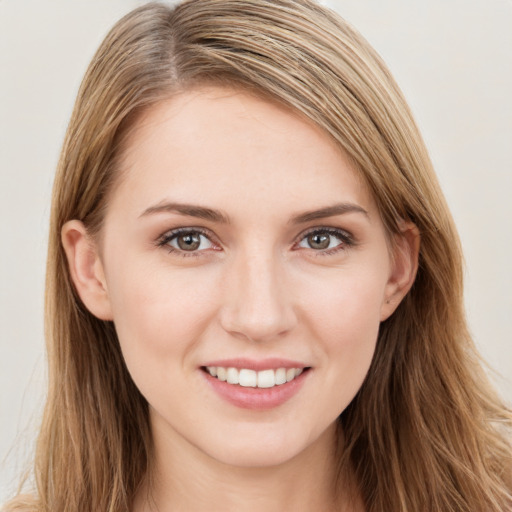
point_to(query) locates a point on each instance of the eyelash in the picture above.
(346, 240)
(167, 237)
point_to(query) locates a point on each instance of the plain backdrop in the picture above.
(453, 60)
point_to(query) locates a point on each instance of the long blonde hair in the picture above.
(426, 432)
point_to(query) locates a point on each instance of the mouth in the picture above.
(249, 378)
(256, 384)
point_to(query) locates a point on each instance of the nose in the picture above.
(258, 304)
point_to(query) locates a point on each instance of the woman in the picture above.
(254, 293)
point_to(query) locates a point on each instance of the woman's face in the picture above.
(240, 242)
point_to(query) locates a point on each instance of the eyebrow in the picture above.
(212, 215)
(328, 211)
(189, 210)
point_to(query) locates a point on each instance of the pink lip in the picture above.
(272, 363)
(256, 398)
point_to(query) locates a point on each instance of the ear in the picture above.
(404, 266)
(86, 269)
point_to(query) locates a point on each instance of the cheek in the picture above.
(346, 303)
(159, 315)
(344, 316)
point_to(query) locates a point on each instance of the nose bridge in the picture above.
(257, 304)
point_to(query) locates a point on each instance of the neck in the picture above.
(184, 478)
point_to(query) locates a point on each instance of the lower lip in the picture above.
(256, 398)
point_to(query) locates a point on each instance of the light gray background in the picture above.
(453, 60)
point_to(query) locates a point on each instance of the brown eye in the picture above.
(319, 240)
(326, 240)
(189, 242)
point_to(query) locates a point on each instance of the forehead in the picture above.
(211, 143)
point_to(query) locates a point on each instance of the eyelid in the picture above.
(345, 236)
(347, 239)
(164, 239)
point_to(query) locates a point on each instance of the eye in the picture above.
(326, 239)
(186, 240)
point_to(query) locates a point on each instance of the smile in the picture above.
(254, 379)
(258, 384)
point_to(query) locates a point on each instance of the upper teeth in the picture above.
(252, 378)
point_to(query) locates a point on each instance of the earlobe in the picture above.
(403, 269)
(86, 269)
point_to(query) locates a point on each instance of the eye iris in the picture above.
(319, 241)
(189, 242)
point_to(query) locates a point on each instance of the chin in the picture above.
(256, 457)
(263, 451)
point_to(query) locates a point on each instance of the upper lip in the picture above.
(271, 363)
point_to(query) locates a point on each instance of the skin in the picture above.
(254, 288)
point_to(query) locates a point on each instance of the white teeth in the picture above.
(280, 376)
(248, 378)
(232, 376)
(221, 373)
(252, 379)
(266, 379)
